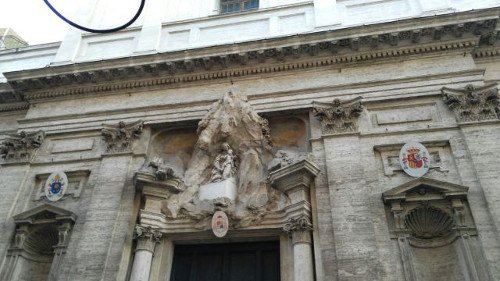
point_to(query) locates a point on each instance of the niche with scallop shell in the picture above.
(429, 227)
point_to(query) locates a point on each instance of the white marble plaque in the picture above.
(221, 189)
(56, 185)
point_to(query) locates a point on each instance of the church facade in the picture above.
(245, 140)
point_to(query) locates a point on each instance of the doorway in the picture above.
(255, 261)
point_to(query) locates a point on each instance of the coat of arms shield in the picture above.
(414, 159)
(55, 186)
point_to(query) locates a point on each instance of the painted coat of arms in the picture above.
(55, 186)
(220, 224)
(414, 159)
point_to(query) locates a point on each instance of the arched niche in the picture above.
(289, 133)
(39, 244)
(434, 228)
(175, 146)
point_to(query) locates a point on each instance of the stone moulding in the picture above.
(473, 103)
(338, 117)
(21, 146)
(245, 59)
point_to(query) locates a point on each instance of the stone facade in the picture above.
(298, 132)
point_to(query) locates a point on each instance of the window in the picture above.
(234, 6)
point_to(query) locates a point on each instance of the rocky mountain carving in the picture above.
(473, 103)
(338, 117)
(231, 152)
(119, 138)
(21, 146)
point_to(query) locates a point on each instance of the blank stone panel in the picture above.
(174, 39)
(365, 11)
(293, 23)
(234, 32)
(404, 115)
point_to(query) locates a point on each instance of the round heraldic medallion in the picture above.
(220, 224)
(414, 159)
(56, 185)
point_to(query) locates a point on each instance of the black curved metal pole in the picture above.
(109, 30)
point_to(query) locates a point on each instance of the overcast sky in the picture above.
(36, 23)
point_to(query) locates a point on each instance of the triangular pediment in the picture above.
(44, 214)
(425, 189)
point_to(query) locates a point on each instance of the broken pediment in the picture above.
(44, 214)
(425, 189)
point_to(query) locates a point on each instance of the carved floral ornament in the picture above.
(119, 138)
(21, 146)
(338, 117)
(473, 103)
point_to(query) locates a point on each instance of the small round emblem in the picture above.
(220, 224)
(414, 159)
(55, 186)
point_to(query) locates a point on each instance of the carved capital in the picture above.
(21, 146)
(146, 237)
(338, 117)
(119, 138)
(473, 103)
(300, 223)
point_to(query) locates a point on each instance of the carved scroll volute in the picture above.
(339, 116)
(120, 137)
(473, 103)
(21, 146)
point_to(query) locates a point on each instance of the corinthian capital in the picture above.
(300, 223)
(147, 232)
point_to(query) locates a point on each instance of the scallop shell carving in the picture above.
(428, 222)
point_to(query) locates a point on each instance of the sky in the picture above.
(37, 24)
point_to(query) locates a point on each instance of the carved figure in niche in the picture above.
(231, 153)
(338, 117)
(224, 164)
(473, 103)
(21, 145)
(119, 138)
(284, 158)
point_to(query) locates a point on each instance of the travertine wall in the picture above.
(402, 102)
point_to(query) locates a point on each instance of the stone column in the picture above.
(294, 180)
(300, 229)
(146, 241)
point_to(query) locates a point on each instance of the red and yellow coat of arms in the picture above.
(414, 159)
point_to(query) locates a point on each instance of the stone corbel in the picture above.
(338, 117)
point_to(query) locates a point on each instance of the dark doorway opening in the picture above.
(256, 261)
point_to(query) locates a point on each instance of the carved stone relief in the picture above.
(229, 163)
(42, 235)
(431, 214)
(119, 138)
(473, 103)
(338, 117)
(21, 146)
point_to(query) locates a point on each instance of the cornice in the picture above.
(458, 32)
(14, 106)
